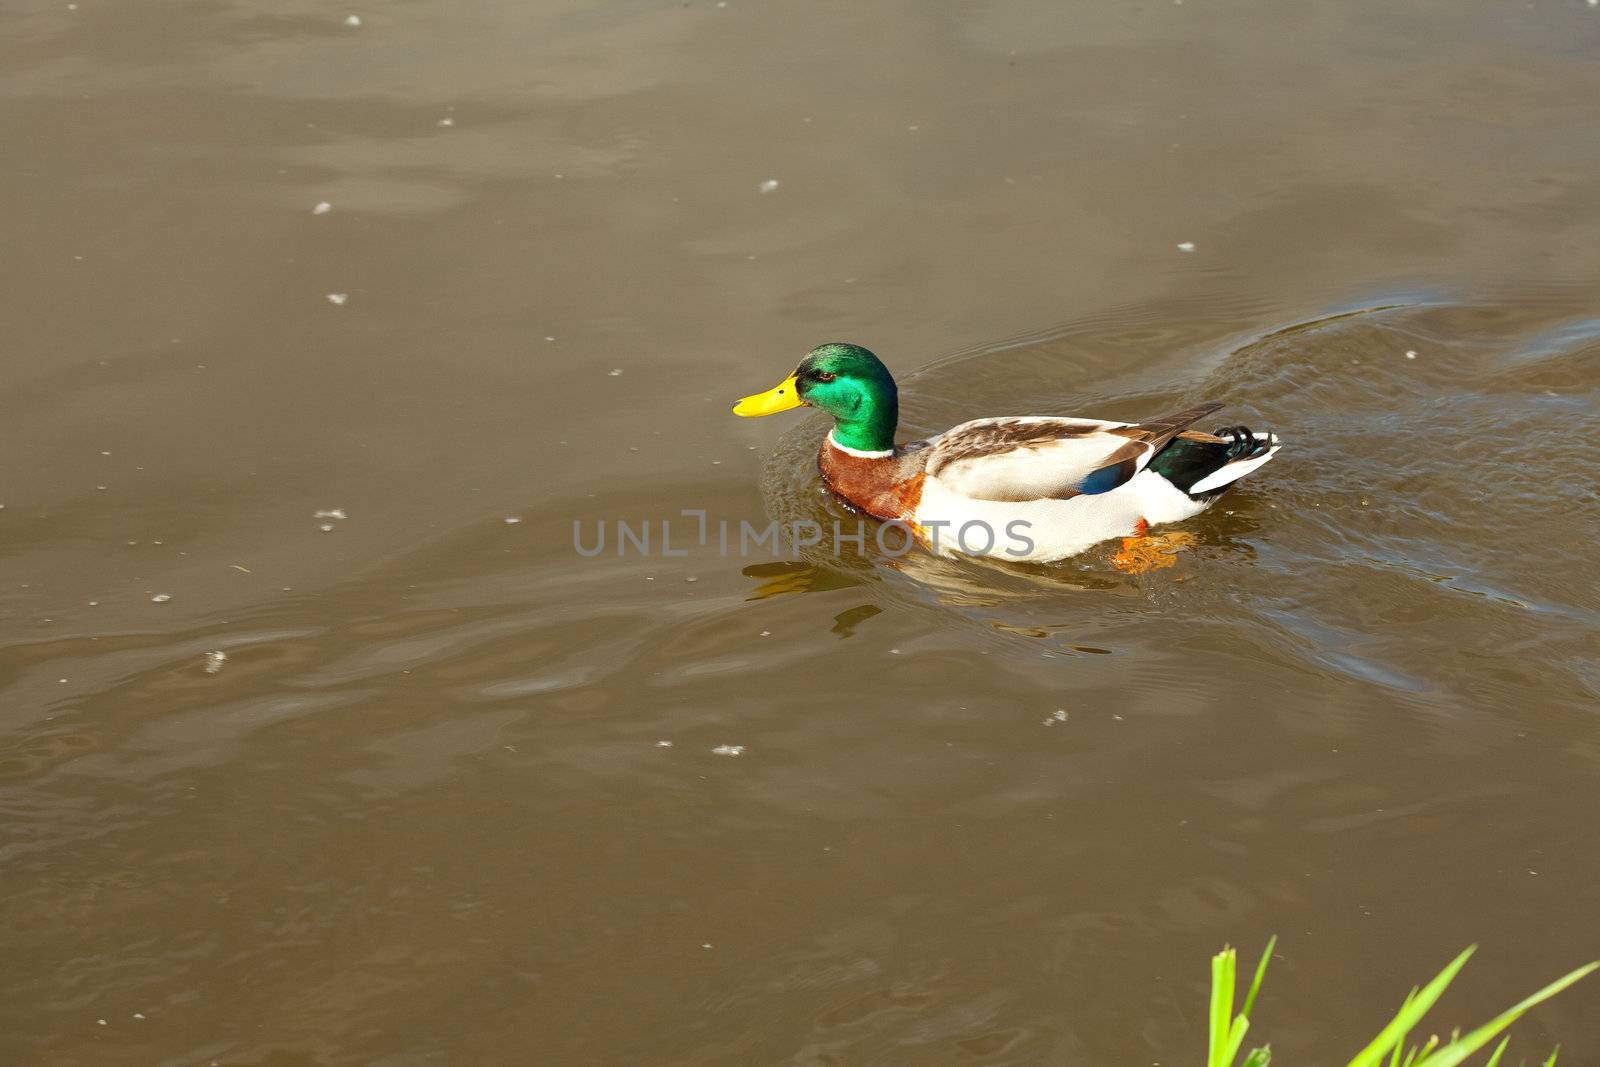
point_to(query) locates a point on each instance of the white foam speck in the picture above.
(100, 1022)
(161, 598)
(1186, 246)
(769, 185)
(1411, 354)
(446, 121)
(322, 208)
(663, 744)
(331, 513)
(214, 661)
(138, 1015)
(352, 20)
(614, 372)
(1059, 715)
(326, 527)
(338, 298)
(729, 750)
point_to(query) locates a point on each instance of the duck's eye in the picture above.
(825, 376)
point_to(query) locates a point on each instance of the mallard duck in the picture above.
(1032, 487)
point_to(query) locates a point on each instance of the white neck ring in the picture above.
(859, 453)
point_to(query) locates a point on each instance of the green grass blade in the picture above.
(1259, 1057)
(1462, 1047)
(1235, 1039)
(1500, 1050)
(1261, 972)
(1551, 1062)
(1416, 1055)
(1222, 970)
(1411, 1013)
(1400, 1045)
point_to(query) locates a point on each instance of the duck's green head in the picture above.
(846, 381)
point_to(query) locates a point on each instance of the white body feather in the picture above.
(958, 516)
(1043, 530)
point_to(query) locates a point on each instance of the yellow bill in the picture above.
(781, 397)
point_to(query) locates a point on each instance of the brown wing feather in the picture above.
(1145, 439)
(1043, 458)
(988, 437)
(1159, 431)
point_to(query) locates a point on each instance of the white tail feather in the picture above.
(1233, 470)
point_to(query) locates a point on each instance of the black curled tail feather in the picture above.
(1242, 443)
(1188, 460)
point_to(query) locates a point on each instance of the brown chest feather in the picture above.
(888, 487)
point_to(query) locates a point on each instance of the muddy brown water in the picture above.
(424, 813)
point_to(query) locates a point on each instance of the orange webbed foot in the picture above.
(1144, 552)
